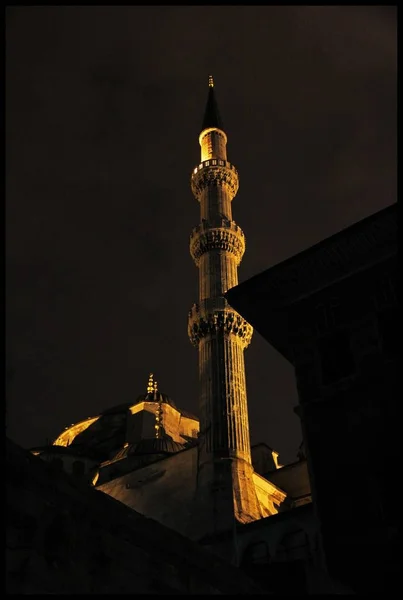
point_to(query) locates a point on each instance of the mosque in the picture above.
(199, 476)
(331, 311)
(195, 475)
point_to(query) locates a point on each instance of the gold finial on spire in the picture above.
(150, 386)
(155, 387)
(210, 81)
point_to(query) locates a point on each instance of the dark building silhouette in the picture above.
(332, 312)
(64, 537)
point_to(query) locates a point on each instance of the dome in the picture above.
(154, 395)
(104, 434)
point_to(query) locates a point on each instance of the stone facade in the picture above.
(141, 484)
(163, 490)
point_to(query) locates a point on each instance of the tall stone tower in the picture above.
(225, 486)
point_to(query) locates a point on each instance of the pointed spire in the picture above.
(211, 115)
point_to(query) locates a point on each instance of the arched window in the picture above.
(294, 545)
(256, 563)
(257, 553)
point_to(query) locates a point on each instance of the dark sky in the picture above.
(103, 111)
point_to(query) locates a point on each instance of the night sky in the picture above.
(103, 112)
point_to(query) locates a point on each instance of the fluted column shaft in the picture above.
(223, 397)
(217, 246)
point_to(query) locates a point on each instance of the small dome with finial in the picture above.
(103, 434)
(153, 395)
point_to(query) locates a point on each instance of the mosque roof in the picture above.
(163, 445)
(103, 435)
(156, 396)
(149, 397)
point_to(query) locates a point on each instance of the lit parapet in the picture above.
(138, 407)
(275, 459)
(66, 438)
(270, 496)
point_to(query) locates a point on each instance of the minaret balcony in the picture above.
(214, 171)
(213, 316)
(223, 234)
(214, 162)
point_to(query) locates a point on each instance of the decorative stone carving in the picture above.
(229, 322)
(229, 238)
(208, 176)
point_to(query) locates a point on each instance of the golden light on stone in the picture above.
(150, 385)
(217, 246)
(136, 408)
(68, 435)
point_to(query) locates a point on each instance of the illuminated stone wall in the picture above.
(175, 424)
(164, 490)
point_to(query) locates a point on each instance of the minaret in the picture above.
(225, 485)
